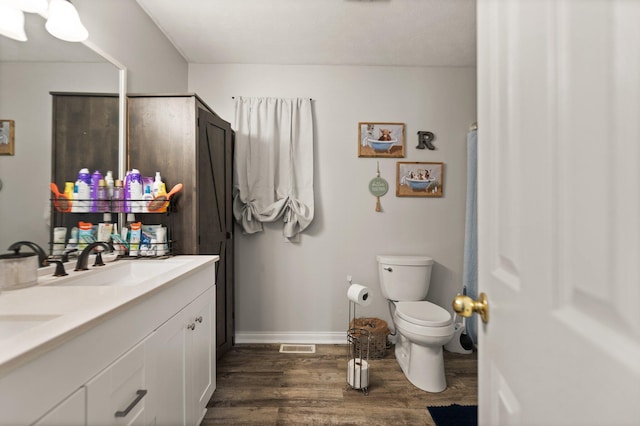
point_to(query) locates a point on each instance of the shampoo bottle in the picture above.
(162, 191)
(96, 177)
(118, 197)
(102, 204)
(135, 191)
(83, 185)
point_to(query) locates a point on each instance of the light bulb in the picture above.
(12, 22)
(31, 6)
(64, 22)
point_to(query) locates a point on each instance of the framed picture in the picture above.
(381, 140)
(419, 179)
(6, 137)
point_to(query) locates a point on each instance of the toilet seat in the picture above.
(423, 313)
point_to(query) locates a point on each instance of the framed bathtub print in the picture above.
(6, 137)
(381, 140)
(419, 179)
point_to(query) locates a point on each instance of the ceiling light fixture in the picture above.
(62, 17)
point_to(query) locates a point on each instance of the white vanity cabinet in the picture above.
(182, 352)
(200, 369)
(149, 360)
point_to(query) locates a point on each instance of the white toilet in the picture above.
(422, 327)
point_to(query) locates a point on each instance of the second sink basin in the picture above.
(15, 324)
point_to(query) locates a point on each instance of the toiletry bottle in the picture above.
(147, 197)
(117, 201)
(83, 185)
(157, 183)
(134, 238)
(96, 177)
(126, 230)
(75, 205)
(85, 235)
(102, 204)
(110, 183)
(68, 192)
(126, 205)
(135, 191)
(162, 191)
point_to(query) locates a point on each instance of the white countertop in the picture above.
(36, 319)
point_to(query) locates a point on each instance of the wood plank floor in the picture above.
(257, 385)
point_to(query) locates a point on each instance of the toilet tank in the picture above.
(404, 278)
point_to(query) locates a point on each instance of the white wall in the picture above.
(299, 289)
(123, 30)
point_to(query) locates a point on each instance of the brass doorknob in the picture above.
(466, 306)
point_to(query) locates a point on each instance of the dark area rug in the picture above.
(455, 415)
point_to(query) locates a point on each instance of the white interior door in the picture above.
(559, 211)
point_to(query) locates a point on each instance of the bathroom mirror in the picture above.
(29, 71)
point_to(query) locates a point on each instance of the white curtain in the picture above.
(273, 163)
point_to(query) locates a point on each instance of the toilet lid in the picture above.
(423, 313)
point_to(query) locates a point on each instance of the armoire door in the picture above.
(215, 215)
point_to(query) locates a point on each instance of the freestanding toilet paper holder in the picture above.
(357, 353)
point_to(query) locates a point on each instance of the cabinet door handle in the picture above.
(192, 326)
(141, 393)
(199, 319)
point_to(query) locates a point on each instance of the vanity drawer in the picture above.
(70, 412)
(118, 394)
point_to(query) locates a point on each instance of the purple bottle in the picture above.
(126, 205)
(96, 177)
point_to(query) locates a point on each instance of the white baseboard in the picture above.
(326, 338)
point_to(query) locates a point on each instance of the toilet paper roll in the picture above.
(359, 294)
(358, 373)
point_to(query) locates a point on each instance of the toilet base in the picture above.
(422, 365)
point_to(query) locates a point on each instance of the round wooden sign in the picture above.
(378, 186)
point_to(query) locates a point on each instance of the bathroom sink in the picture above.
(120, 274)
(11, 325)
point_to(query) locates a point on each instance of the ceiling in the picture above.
(320, 32)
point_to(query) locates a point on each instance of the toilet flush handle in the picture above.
(388, 268)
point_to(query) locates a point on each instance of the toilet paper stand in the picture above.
(358, 340)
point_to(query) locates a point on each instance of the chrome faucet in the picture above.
(81, 265)
(42, 256)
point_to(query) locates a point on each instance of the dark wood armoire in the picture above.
(177, 135)
(183, 139)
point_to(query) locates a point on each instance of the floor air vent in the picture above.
(297, 349)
